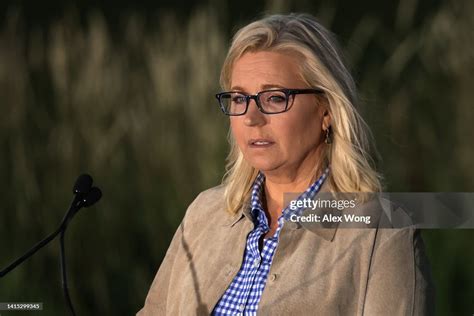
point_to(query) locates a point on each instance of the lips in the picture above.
(260, 142)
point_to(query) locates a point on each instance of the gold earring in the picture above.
(328, 139)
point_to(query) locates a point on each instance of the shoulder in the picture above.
(399, 274)
(403, 247)
(209, 204)
(395, 235)
(210, 198)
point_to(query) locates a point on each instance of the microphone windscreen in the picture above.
(83, 184)
(92, 197)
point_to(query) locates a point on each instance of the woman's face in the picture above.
(287, 144)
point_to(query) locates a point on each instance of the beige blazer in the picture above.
(326, 271)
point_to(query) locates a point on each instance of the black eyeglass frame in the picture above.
(288, 93)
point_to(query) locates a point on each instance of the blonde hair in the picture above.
(321, 67)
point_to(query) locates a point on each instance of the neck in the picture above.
(277, 187)
(295, 178)
(275, 191)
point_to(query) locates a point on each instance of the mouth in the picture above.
(260, 143)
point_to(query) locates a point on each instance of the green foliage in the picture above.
(133, 105)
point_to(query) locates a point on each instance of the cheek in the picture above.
(300, 133)
(236, 128)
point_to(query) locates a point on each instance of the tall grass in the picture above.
(134, 107)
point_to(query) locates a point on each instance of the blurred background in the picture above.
(124, 91)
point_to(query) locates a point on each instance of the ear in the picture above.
(326, 119)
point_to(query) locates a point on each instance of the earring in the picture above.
(328, 139)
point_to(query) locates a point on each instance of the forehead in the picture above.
(258, 70)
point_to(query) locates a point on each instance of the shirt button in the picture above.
(256, 262)
(273, 277)
(241, 307)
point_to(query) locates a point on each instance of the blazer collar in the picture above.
(326, 233)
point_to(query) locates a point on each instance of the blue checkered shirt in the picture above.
(244, 293)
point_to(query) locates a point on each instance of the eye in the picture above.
(238, 99)
(276, 98)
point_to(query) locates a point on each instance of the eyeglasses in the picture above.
(268, 101)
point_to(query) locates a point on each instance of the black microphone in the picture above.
(92, 197)
(84, 196)
(83, 184)
(81, 188)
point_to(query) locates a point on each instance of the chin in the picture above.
(264, 165)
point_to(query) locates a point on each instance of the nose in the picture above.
(253, 115)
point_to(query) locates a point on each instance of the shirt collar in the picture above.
(256, 197)
(310, 192)
(320, 185)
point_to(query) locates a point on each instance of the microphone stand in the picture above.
(75, 206)
(85, 196)
(42, 243)
(63, 273)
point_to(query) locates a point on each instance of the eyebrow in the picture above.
(263, 87)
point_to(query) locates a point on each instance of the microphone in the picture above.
(85, 195)
(83, 184)
(92, 197)
(81, 187)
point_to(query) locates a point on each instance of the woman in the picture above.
(294, 128)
